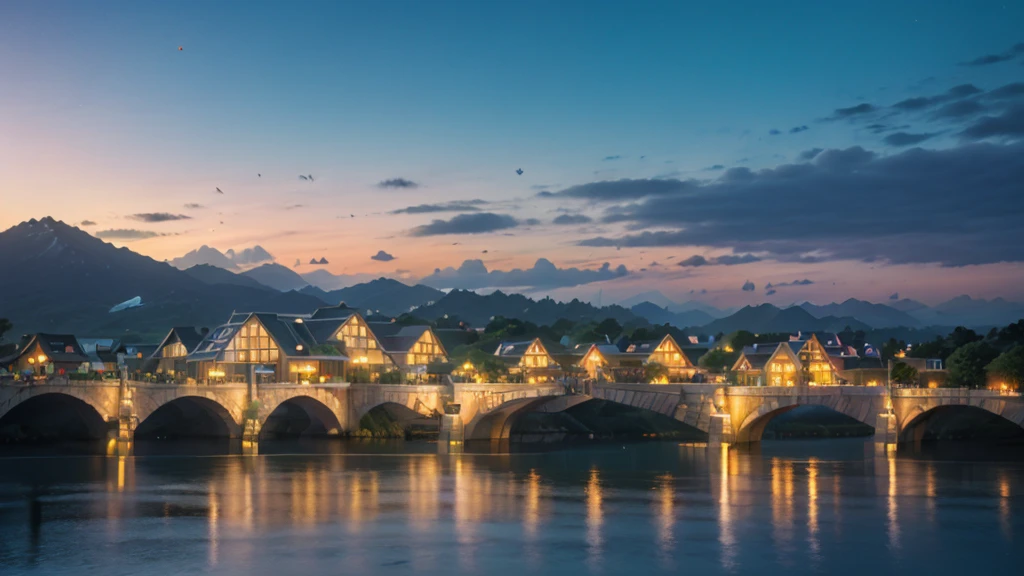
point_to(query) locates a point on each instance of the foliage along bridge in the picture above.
(727, 414)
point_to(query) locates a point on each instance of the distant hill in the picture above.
(61, 279)
(211, 274)
(478, 309)
(327, 282)
(769, 318)
(384, 295)
(657, 315)
(277, 277)
(875, 315)
(966, 311)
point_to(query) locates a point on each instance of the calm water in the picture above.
(830, 507)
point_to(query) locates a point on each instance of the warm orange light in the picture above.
(933, 384)
(467, 366)
(214, 373)
(31, 360)
(41, 358)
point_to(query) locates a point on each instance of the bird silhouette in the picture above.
(219, 191)
(352, 215)
(259, 175)
(301, 177)
(310, 177)
(519, 171)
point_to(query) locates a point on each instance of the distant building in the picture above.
(170, 356)
(529, 359)
(46, 354)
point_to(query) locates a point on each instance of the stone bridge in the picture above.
(488, 411)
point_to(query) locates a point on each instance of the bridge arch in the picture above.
(923, 422)
(324, 415)
(188, 415)
(752, 426)
(80, 417)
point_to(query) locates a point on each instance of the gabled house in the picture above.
(771, 364)
(598, 360)
(821, 363)
(411, 348)
(346, 328)
(46, 354)
(170, 355)
(665, 351)
(529, 359)
(267, 346)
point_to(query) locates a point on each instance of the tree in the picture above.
(5, 326)
(967, 364)
(891, 347)
(654, 372)
(717, 360)
(1009, 367)
(609, 327)
(903, 373)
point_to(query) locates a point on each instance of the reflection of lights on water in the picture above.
(782, 505)
(214, 515)
(893, 518)
(666, 515)
(531, 520)
(594, 519)
(120, 473)
(930, 490)
(1004, 506)
(726, 538)
(812, 509)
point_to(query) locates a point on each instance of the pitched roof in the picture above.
(56, 347)
(513, 349)
(340, 311)
(757, 360)
(285, 331)
(187, 335)
(398, 338)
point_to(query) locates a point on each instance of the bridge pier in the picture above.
(720, 430)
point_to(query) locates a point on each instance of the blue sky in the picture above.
(109, 119)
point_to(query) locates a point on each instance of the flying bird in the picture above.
(180, 48)
(519, 171)
(259, 175)
(301, 177)
(310, 177)
(219, 191)
(352, 215)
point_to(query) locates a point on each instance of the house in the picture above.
(770, 364)
(862, 371)
(411, 348)
(346, 328)
(272, 347)
(599, 360)
(665, 352)
(170, 355)
(529, 359)
(46, 354)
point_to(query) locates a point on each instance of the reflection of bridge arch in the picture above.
(324, 410)
(914, 426)
(170, 413)
(88, 413)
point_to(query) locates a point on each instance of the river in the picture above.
(303, 508)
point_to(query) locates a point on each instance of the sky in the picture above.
(728, 152)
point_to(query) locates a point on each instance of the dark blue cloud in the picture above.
(397, 183)
(906, 139)
(473, 274)
(382, 256)
(566, 219)
(453, 206)
(478, 223)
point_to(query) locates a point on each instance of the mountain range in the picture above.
(60, 279)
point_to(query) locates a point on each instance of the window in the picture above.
(175, 350)
(425, 350)
(252, 344)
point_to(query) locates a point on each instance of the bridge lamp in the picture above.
(467, 366)
(31, 360)
(41, 358)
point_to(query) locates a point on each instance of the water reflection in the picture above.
(595, 518)
(652, 508)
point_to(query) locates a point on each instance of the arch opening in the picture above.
(52, 417)
(959, 422)
(801, 422)
(301, 416)
(189, 417)
(393, 420)
(567, 418)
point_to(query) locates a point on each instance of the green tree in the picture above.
(890, 348)
(1009, 367)
(654, 372)
(717, 360)
(903, 373)
(967, 364)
